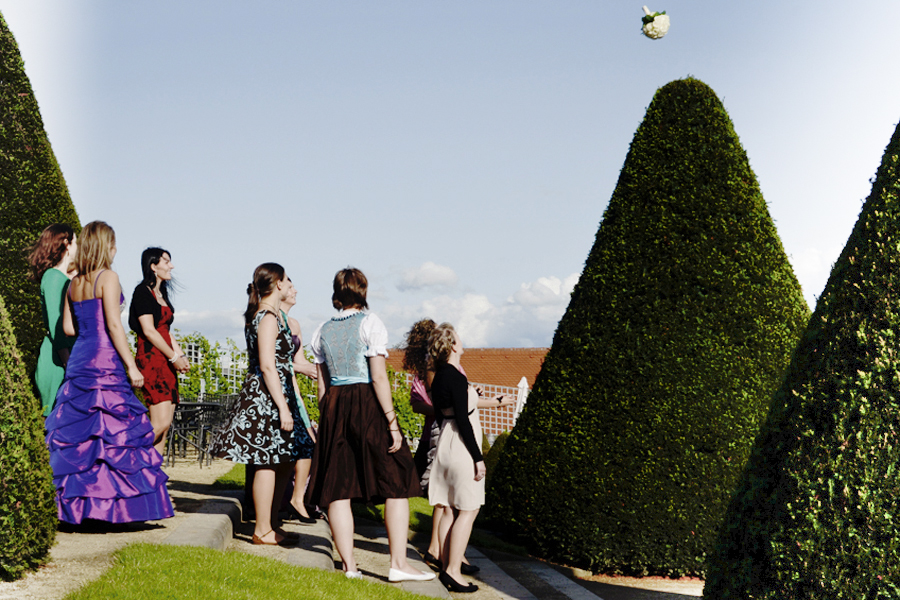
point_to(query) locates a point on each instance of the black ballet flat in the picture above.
(469, 569)
(454, 586)
(429, 559)
(294, 515)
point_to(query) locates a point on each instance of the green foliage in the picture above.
(33, 195)
(814, 515)
(207, 369)
(27, 505)
(309, 391)
(411, 423)
(676, 337)
(492, 457)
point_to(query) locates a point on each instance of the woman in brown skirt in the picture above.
(360, 454)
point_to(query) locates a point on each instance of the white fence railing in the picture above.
(495, 421)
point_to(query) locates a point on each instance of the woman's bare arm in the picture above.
(267, 336)
(382, 386)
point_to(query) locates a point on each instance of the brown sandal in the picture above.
(284, 542)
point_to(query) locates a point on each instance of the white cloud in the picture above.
(528, 317)
(427, 275)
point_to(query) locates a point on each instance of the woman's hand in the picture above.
(397, 441)
(478, 389)
(287, 421)
(480, 470)
(182, 364)
(135, 376)
(505, 401)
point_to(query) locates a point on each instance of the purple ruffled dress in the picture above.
(100, 439)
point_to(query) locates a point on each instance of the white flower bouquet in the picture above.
(656, 24)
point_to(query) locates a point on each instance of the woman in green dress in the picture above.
(50, 258)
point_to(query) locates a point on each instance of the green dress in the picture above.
(50, 368)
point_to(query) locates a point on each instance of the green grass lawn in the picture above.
(233, 479)
(156, 572)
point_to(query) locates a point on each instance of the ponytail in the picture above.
(265, 278)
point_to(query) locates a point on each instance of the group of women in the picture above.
(106, 450)
(101, 441)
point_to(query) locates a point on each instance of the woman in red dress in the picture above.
(158, 354)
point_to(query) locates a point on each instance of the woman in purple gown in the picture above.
(101, 441)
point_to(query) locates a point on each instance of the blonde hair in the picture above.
(440, 343)
(95, 247)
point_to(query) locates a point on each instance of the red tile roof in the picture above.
(493, 366)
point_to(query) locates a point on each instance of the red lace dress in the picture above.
(160, 379)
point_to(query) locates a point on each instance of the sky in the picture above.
(460, 153)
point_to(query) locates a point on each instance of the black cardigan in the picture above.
(143, 302)
(450, 390)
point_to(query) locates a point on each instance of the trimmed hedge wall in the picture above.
(28, 515)
(493, 456)
(675, 339)
(815, 515)
(33, 195)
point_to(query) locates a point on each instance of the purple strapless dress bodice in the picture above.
(100, 438)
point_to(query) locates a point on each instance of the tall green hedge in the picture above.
(33, 194)
(28, 514)
(816, 513)
(676, 337)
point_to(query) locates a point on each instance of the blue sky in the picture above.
(460, 153)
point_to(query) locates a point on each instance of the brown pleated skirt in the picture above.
(351, 459)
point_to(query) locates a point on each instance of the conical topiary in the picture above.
(815, 514)
(33, 195)
(28, 515)
(676, 336)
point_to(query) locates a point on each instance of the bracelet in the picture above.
(499, 401)
(388, 412)
(176, 357)
(391, 429)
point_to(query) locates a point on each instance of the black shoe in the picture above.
(455, 586)
(429, 559)
(469, 569)
(293, 514)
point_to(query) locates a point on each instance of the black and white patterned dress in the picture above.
(253, 434)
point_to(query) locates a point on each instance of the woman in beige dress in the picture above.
(457, 473)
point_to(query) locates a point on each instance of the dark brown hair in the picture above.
(49, 249)
(265, 278)
(350, 287)
(415, 359)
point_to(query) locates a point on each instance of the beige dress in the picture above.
(453, 471)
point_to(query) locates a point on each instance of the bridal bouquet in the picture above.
(656, 24)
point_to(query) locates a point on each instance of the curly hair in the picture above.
(49, 249)
(440, 343)
(415, 359)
